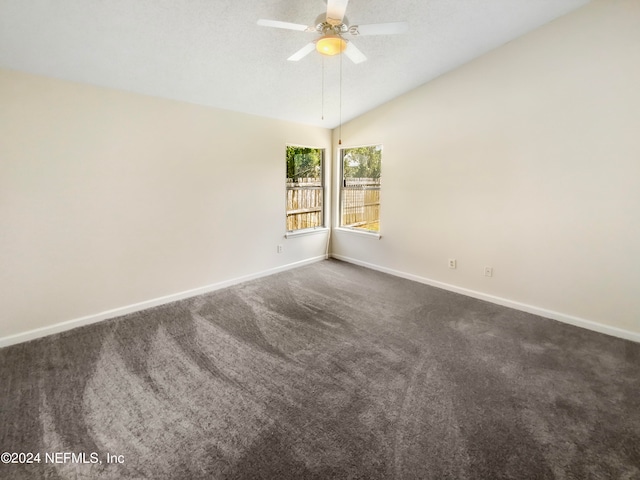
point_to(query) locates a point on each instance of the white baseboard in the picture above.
(542, 312)
(117, 312)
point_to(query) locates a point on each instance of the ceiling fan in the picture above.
(332, 27)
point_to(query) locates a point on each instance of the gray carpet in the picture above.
(327, 371)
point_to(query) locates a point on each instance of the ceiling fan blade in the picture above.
(379, 28)
(286, 25)
(355, 55)
(335, 11)
(303, 52)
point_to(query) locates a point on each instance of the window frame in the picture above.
(341, 180)
(323, 193)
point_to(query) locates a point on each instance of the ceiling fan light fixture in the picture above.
(331, 45)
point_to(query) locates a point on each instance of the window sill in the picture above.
(308, 231)
(355, 231)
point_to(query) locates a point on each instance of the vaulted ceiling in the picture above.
(212, 52)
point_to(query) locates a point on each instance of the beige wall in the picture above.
(526, 160)
(108, 199)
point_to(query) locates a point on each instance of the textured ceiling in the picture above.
(211, 52)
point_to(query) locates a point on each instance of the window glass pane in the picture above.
(305, 188)
(360, 192)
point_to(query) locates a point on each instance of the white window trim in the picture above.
(325, 218)
(356, 231)
(338, 206)
(306, 231)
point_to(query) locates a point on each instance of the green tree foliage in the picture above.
(304, 162)
(362, 162)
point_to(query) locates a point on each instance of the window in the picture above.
(360, 191)
(305, 188)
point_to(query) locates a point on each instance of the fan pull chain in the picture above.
(322, 114)
(340, 107)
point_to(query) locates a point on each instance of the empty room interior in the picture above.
(320, 239)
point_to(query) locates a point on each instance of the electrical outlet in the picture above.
(279, 248)
(488, 271)
(452, 263)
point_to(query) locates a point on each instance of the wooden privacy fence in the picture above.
(360, 203)
(304, 203)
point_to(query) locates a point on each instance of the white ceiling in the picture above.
(211, 52)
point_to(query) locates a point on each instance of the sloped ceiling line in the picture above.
(212, 52)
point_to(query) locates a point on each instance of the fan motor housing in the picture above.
(324, 27)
